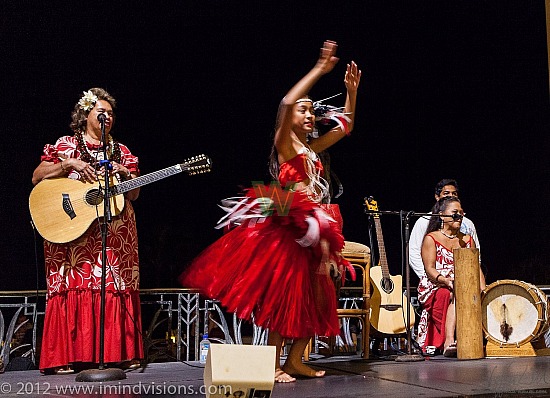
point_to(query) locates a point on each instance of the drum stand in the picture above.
(533, 348)
(495, 350)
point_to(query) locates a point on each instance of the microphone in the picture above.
(101, 117)
(455, 216)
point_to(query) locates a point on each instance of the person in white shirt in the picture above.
(445, 187)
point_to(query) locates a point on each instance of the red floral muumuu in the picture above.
(73, 276)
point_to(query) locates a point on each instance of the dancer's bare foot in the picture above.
(283, 377)
(302, 370)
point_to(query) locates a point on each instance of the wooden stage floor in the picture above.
(347, 376)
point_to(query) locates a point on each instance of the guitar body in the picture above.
(388, 308)
(63, 209)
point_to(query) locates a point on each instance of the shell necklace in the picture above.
(113, 150)
(448, 236)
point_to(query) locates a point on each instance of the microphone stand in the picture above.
(103, 373)
(409, 357)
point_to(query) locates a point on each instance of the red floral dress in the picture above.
(73, 276)
(431, 327)
(269, 266)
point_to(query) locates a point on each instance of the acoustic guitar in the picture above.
(62, 209)
(388, 299)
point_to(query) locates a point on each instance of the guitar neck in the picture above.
(381, 249)
(145, 179)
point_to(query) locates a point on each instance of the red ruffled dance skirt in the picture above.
(270, 266)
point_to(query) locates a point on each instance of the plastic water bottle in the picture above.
(204, 347)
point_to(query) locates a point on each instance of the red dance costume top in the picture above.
(294, 170)
(270, 267)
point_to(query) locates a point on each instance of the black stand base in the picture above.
(409, 358)
(99, 375)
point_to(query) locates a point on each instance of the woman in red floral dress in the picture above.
(275, 265)
(73, 269)
(436, 288)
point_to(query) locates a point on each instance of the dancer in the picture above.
(276, 264)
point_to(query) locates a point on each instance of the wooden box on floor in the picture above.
(234, 370)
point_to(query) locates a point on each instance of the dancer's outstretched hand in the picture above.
(352, 77)
(327, 57)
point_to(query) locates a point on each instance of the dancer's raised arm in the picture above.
(283, 138)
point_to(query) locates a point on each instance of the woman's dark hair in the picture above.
(79, 115)
(273, 163)
(439, 207)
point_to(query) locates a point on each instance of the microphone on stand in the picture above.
(101, 117)
(103, 373)
(455, 216)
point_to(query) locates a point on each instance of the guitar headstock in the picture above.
(198, 164)
(371, 204)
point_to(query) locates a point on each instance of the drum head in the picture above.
(513, 312)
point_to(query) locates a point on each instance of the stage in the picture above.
(347, 376)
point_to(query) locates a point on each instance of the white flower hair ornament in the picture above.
(88, 100)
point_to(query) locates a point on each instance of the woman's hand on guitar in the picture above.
(120, 169)
(85, 170)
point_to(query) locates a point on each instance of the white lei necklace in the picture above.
(448, 236)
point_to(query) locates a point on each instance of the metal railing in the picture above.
(172, 333)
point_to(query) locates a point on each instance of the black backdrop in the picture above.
(449, 90)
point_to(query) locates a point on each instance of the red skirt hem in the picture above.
(72, 328)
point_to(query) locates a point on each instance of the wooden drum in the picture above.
(513, 312)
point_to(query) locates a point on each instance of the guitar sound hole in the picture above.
(94, 197)
(387, 285)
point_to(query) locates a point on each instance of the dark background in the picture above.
(449, 90)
